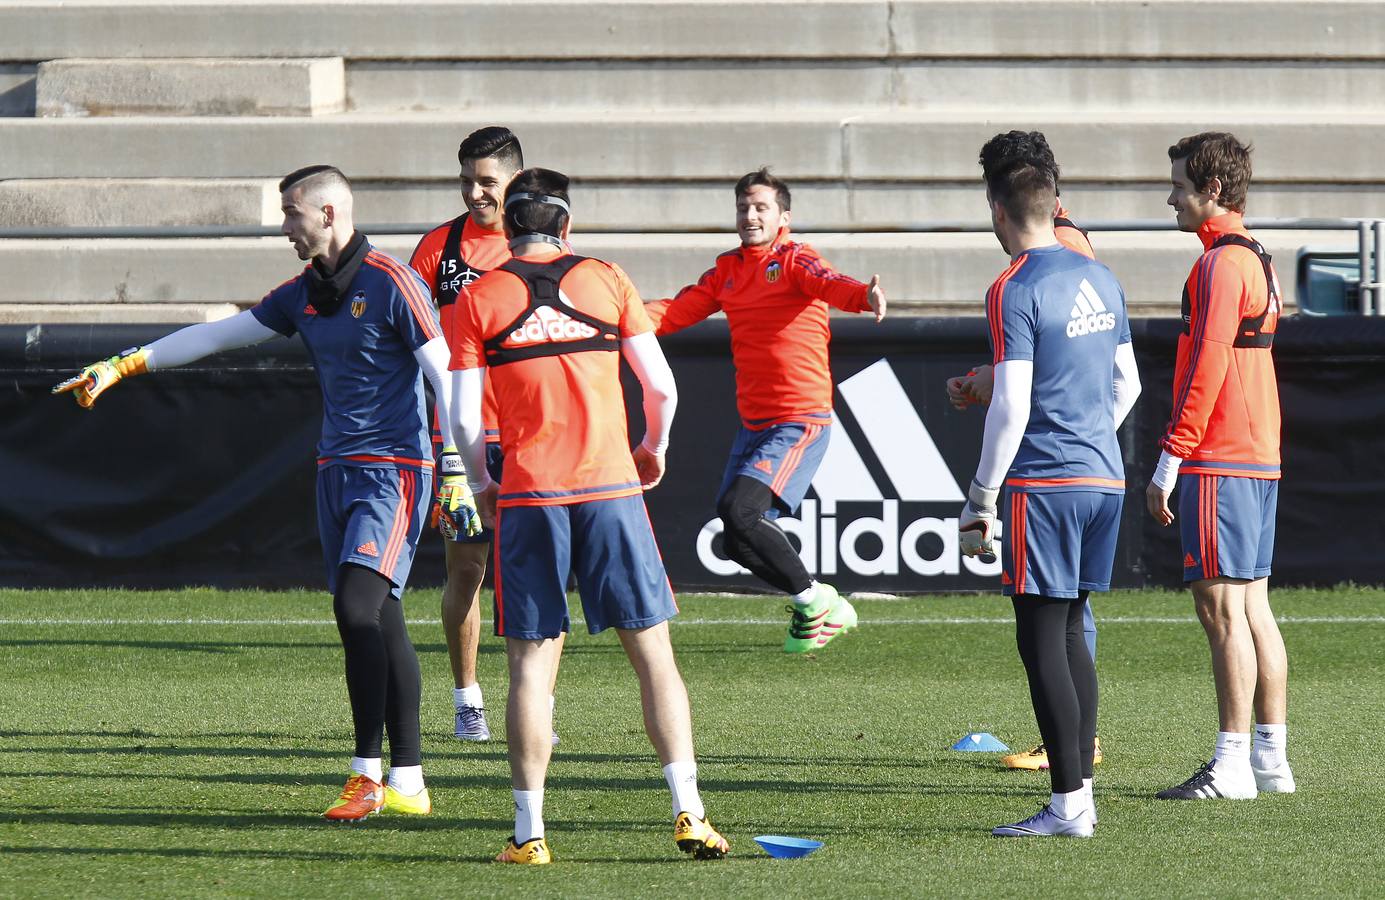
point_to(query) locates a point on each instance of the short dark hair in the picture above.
(526, 216)
(1217, 154)
(493, 141)
(1021, 174)
(762, 177)
(324, 173)
(1012, 147)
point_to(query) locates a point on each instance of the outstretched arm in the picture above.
(177, 349)
(688, 307)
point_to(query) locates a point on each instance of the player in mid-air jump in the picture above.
(369, 329)
(1065, 377)
(976, 386)
(449, 258)
(1223, 439)
(549, 330)
(775, 293)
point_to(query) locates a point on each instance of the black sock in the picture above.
(1043, 635)
(382, 674)
(755, 541)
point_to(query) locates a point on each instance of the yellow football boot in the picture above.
(533, 852)
(407, 804)
(698, 837)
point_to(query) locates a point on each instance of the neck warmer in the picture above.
(326, 289)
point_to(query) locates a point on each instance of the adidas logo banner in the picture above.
(882, 510)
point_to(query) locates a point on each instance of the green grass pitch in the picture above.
(184, 744)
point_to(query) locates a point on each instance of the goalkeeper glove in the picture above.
(976, 525)
(455, 512)
(99, 377)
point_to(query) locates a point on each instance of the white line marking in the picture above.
(930, 620)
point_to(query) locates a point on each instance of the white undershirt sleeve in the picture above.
(1006, 420)
(467, 433)
(433, 358)
(1126, 384)
(205, 338)
(1166, 472)
(646, 359)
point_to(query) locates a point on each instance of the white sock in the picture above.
(528, 815)
(805, 596)
(1069, 805)
(1087, 786)
(468, 696)
(1268, 749)
(1233, 748)
(368, 766)
(682, 782)
(551, 702)
(406, 779)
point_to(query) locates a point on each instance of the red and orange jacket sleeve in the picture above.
(1217, 291)
(426, 255)
(689, 306)
(815, 277)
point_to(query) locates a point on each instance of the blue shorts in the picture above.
(1058, 543)
(608, 544)
(1227, 526)
(495, 464)
(785, 457)
(372, 516)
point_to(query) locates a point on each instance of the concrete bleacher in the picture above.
(133, 114)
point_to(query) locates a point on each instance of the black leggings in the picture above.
(382, 676)
(1062, 683)
(756, 542)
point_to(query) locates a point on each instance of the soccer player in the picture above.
(369, 329)
(548, 329)
(976, 386)
(1065, 377)
(1224, 438)
(449, 258)
(776, 293)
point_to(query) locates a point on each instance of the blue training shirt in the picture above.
(1066, 313)
(372, 389)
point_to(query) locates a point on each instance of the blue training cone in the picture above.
(980, 742)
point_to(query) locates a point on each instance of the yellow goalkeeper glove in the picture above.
(455, 512)
(99, 377)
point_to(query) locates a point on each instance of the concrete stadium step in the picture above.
(92, 202)
(902, 145)
(400, 29)
(1002, 86)
(849, 206)
(915, 269)
(113, 313)
(190, 87)
(623, 206)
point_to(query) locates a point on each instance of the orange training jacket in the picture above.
(1225, 399)
(775, 298)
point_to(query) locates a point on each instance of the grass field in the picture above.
(184, 743)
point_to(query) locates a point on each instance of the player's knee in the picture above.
(463, 581)
(740, 510)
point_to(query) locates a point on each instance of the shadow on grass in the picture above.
(352, 857)
(215, 647)
(307, 820)
(267, 855)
